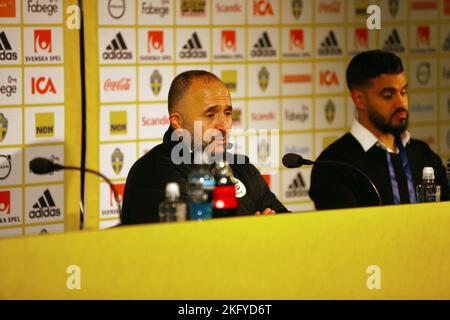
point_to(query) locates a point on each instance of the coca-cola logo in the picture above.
(123, 84)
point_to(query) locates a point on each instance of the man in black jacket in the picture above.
(196, 98)
(378, 143)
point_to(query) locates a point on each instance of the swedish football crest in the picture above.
(156, 82)
(3, 126)
(393, 7)
(117, 160)
(263, 78)
(297, 8)
(330, 111)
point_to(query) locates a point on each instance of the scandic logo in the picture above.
(328, 78)
(6, 52)
(228, 42)
(150, 122)
(45, 207)
(192, 49)
(262, 8)
(5, 202)
(330, 45)
(45, 124)
(361, 38)
(117, 49)
(263, 47)
(43, 40)
(42, 85)
(7, 8)
(296, 39)
(155, 41)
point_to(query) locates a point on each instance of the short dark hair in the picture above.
(182, 82)
(370, 64)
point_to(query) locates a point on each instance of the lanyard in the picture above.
(406, 171)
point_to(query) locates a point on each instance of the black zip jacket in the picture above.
(147, 179)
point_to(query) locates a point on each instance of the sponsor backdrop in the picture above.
(39, 116)
(283, 62)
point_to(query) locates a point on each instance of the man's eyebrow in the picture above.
(213, 108)
(393, 89)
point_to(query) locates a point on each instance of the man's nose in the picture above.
(222, 123)
(401, 101)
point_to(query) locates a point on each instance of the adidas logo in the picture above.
(44, 207)
(117, 49)
(193, 48)
(446, 45)
(6, 53)
(393, 43)
(297, 188)
(330, 46)
(263, 47)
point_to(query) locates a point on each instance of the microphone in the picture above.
(292, 160)
(46, 166)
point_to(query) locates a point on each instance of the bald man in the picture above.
(199, 103)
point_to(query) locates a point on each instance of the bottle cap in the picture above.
(428, 173)
(172, 190)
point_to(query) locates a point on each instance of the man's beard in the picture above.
(388, 126)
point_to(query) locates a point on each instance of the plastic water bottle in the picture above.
(224, 198)
(173, 208)
(200, 189)
(428, 190)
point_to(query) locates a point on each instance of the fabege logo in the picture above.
(10, 89)
(156, 82)
(7, 8)
(150, 9)
(301, 116)
(328, 78)
(118, 122)
(42, 85)
(5, 202)
(45, 124)
(37, 6)
(423, 36)
(117, 161)
(262, 8)
(45, 207)
(361, 38)
(6, 51)
(296, 39)
(3, 126)
(155, 41)
(42, 40)
(228, 42)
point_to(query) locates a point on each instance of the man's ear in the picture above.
(358, 99)
(176, 120)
